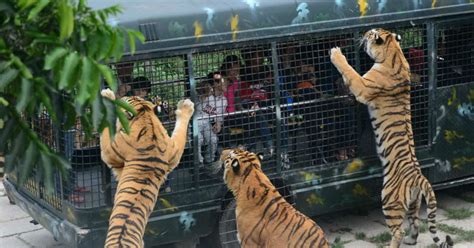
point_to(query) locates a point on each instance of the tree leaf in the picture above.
(28, 162)
(119, 48)
(25, 71)
(85, 81)
(38, 8)
(131, 40)
(6, 77)
(6, 132)
(95, 83)
(123, 120)
(52, 57)
(104, 44)
(47, 172)
(23, 4)
(93, 44)
(25, 95)
(125, 105)
(66, 19)
(18, 147)
(4, 65)
(110, 115)
(46, 100)
(63, 166)
(137, 34)
(70, 64)
(97, 112)
(108, 76)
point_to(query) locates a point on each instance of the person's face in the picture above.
(141, 93)
(307, 72)
(220, 85)
(123, 90)
(234, 70)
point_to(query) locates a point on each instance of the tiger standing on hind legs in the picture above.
(385, 89)
(140, 161)
(264, 218)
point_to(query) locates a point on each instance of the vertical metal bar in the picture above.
(194, 98)
(356, 51)
(277, 106)
(108, 186)
(359, 108)
(432, 37)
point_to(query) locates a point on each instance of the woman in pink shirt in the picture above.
(230, 69)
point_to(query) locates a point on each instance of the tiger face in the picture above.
(379, 44)
(236, 163)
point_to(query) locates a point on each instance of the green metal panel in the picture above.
(174, 24)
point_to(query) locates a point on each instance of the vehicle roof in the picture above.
(184, 23)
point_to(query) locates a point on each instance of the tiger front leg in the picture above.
(352, 79)
(184, 113)
(108, 153)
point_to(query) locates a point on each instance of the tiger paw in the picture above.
(336, 55)
(185, 109)
(108, 94)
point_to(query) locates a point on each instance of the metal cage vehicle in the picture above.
(287, 102)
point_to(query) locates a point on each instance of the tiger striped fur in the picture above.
(264, 218)
(141, 161)
(385, 89)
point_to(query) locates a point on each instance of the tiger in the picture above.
(385, 89)
(140, 160)
(264, 218)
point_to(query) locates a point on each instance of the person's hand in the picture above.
(254, 107)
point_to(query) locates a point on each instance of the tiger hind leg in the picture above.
(394, 216)
(413, 217)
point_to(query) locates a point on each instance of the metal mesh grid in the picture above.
(455, 54)
(42, 124)
(234, 106)
(414, 46)
(319, 118)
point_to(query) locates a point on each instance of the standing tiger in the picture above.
(385, 89)
(264, 218)
(140, 161)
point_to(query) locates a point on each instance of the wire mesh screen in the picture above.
(319, 118)
(235, 105)
(414, 46)
(455, 59)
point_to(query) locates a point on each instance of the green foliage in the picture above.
(458, 214)
(381, 238)
(461, 234)
(338, 243)
(360, 236)
(53, 57)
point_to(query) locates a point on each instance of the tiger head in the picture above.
(140, 105)
(237, 163)
(379, 44)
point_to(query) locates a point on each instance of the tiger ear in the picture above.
(260, 157)
(235, 166)
(397, 36)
